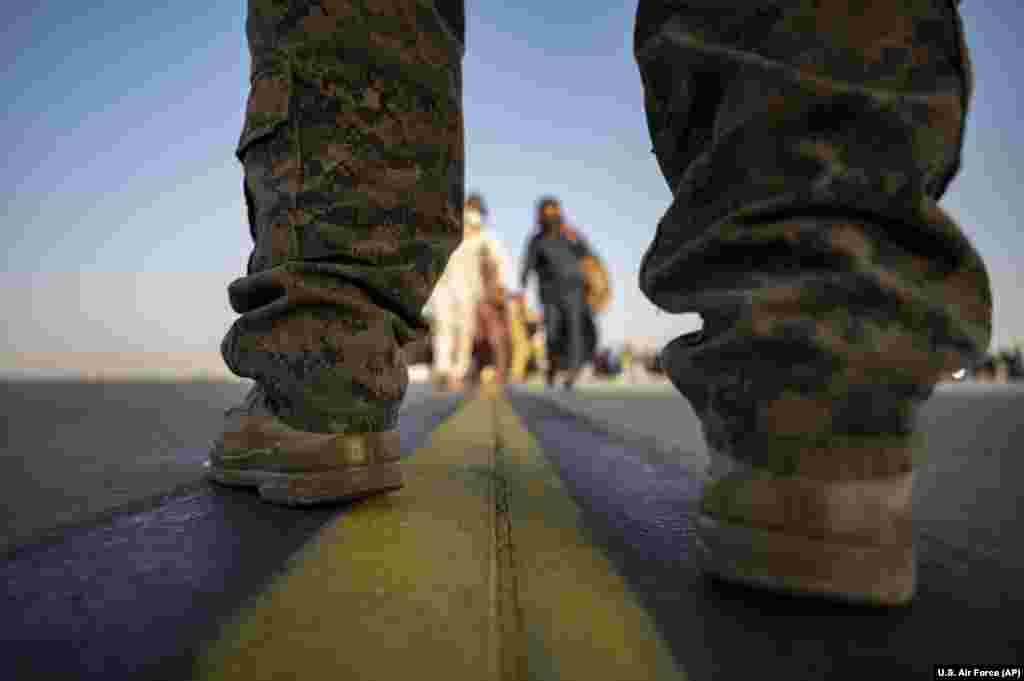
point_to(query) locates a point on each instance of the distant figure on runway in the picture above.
(492, 347)
(554, 253)
(462, 300)
(519, 337)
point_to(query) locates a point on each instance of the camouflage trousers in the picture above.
(353, 158)
(806, 144)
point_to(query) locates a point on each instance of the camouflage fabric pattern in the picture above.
(806, 144)
(353, 157)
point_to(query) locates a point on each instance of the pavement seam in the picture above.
(580, 618)
(481, 566)
(508, 611)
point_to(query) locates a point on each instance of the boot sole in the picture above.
(307, 489)
(876, 575)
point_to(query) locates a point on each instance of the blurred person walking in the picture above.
(493, 336)
(630, 364)
(554, 253)
(464, 300)
(519, 337)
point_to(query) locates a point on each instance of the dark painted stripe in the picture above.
(640, 509)
(136, 596)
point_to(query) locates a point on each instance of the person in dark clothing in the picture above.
(554, 253)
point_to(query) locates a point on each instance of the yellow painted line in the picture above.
(579, 618)
(398, 588)
(478, 570)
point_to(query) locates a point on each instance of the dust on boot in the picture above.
(295, 467)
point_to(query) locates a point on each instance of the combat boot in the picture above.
(299, 468)
(851, 539)
(828, 516)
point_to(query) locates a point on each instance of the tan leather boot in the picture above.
(809, 492)
(298, 468)
(850, 539)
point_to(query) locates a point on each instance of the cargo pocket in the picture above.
(267, 113)
(266, 110)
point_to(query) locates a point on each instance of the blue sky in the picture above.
(121, 197)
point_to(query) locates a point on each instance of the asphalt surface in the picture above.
(969, 491)
(71, 451)
(132, 582)
(137, 591)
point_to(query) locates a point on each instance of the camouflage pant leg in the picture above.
(806, 144)
(352, 150)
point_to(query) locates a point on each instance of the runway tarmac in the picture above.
(595, 491)
(71, 450)
(969, 491)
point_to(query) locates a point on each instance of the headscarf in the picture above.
(542, 221)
